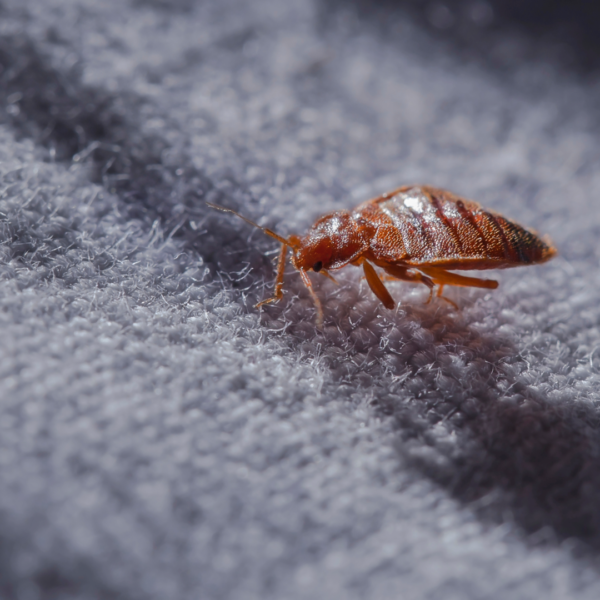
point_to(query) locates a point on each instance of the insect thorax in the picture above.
(333, 241)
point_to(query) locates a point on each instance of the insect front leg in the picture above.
(308, 284)
(278, 293)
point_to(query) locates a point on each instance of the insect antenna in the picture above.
(293, 242)
(263, 229)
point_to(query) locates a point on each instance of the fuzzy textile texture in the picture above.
(162, 439)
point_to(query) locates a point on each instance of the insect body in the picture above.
(415, 233)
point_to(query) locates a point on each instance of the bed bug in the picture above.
(415, 233)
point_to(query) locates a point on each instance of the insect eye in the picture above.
(317, 266)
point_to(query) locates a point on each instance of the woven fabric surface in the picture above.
(160, 438)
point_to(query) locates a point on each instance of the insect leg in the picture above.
(308, 284)
(278, 293)
(377, 286)
(292, 241)
(439, 295)
(405, 274)
(442, 277)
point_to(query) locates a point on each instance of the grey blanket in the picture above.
(162, 439)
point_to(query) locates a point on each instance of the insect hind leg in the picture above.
(406, 274)
(442, 278)
(439, 295)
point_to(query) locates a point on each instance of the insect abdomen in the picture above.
(436, 227)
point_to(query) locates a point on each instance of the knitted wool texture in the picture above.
(161, 438)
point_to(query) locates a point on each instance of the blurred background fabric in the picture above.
(160, 437)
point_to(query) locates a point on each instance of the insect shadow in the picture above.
(537, 460)
(472, 408)
(499, 445)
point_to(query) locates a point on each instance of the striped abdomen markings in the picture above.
(424, 228)
(490, 234)
(431, 226)
(506, 241)
(503, 240)
(438, 227)
(523, 246)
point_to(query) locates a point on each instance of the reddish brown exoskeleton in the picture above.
(415, 233)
